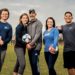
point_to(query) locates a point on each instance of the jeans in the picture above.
(33, 58)
(50, 60)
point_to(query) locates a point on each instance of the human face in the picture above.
(4, 15)
(24, 19)
(50, 23)
(68, 18)
(32, 16)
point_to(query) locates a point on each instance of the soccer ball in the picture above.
(26, 38)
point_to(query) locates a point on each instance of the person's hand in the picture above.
(1, 42)
(52, 50)
(28, 46)
(59, 27)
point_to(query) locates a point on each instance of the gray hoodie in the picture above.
(35, 31)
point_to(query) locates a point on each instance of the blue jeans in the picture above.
(50, 60)
(33, 58)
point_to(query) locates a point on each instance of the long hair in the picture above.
(20, 22)
(52, 20)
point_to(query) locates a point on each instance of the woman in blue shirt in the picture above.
(50, 38)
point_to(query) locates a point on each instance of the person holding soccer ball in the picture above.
(35, 31)
(20, 46)
(5, 34)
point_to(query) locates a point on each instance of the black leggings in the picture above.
(50, 60)
(20, 63)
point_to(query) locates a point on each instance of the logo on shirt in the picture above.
(71, 28)
(5, 27)
(47, 34)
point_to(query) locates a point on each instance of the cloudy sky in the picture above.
(44, 9)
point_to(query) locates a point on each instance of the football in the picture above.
(26, 38)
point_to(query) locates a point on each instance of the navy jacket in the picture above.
(5, 34)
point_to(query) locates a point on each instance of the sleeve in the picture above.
(43, 38)
(37, 34)
(56, 37)
(60, 31)
(43, 41)
(60, 28)
(9, 36)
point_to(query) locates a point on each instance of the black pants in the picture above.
(2, 57)
(50, 60)
(20, 63)
(33, 58)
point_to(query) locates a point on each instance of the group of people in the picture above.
(29, 24)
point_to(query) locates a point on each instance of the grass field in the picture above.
(11, 59)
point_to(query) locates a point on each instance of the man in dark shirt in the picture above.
(68, 31)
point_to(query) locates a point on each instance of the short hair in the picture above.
(32, 11)
(68, 12)
(52, 20)
(4, 9)
(20, 22)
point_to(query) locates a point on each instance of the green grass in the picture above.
(11, 59)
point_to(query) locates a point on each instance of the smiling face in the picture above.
(4, 15)
(32, 16)
(68, 17)
(49, 23)
(24, 19)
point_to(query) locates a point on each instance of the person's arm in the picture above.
(43, 41)
(9, 36)
(43, 38)
(56, 37)
(37, 34)
(60, 29)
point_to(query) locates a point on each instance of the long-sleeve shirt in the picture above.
(5, 34)
(50, 38)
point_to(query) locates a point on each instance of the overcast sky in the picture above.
(44, 9)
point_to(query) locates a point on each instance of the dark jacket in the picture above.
(20, 31)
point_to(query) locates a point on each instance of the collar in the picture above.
(32, 21)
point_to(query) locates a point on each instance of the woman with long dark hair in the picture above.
(20, 46)
(50, 38)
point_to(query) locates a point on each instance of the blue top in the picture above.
(50, 38)
(5, 34)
